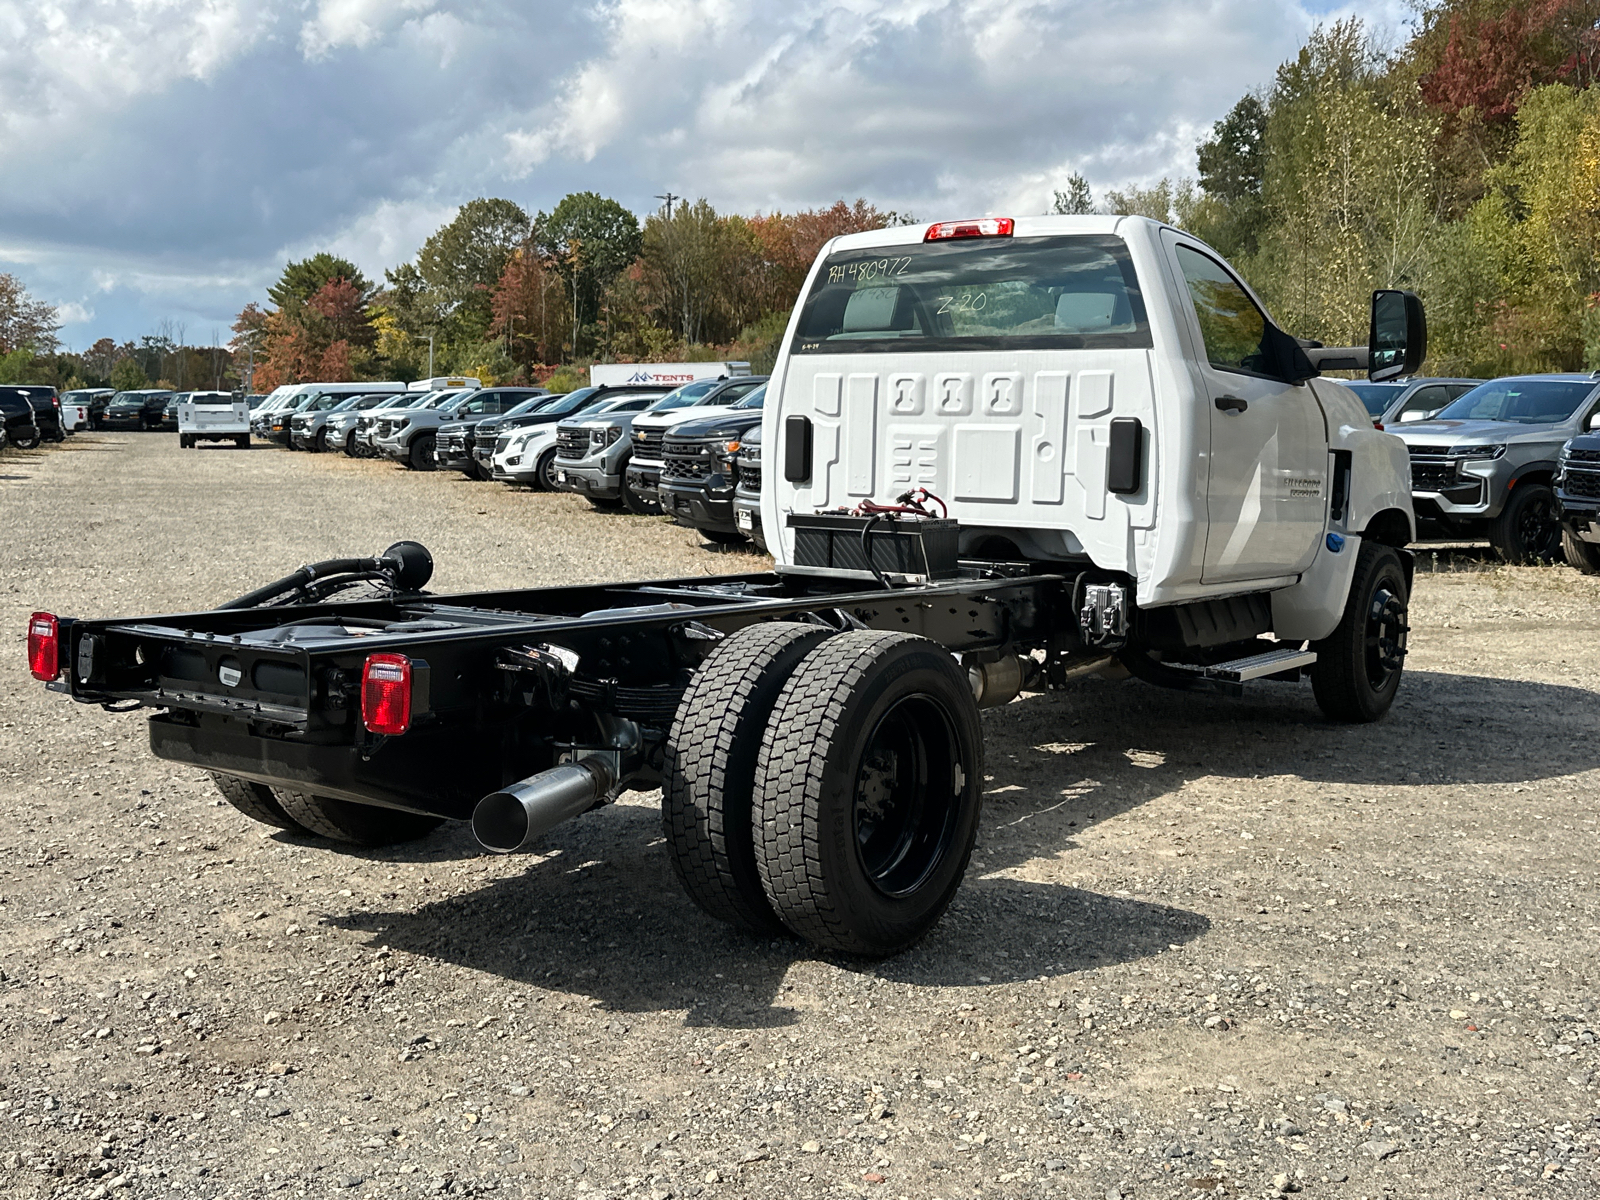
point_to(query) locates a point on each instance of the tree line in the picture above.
(1464, 164)
(510, 297)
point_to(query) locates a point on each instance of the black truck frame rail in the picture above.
(503, 684)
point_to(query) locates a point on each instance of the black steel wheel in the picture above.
(1528, 529)
(1585, 556)
(319, 444)
(357, 824)
(868, 791)
(709, 771)
(1359, 664)
(255, 800)
(420, 455)
(28, 441)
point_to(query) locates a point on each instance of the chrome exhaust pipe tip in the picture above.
(516, 817)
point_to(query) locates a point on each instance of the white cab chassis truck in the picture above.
(998, 455)
(214, 417)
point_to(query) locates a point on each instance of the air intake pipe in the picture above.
(516, 817)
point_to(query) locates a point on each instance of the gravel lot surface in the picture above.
(1207, 947)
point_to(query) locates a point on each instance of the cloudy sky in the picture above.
(164, 157)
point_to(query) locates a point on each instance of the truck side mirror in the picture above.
(1398, 338)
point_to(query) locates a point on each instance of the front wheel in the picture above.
(636, 503)
(1358, 665)
(320, 444)
(420, 456)
(544, 475)
(242, 441)
(27, 441)
(1585, 556)
(867, 792)
(1527, 531)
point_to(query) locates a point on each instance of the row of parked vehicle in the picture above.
(683, 439)
(1515, 460)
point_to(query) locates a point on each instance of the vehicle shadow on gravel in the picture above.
(605, 918)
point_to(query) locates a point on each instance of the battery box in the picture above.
(899, 545)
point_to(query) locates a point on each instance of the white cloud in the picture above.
(935, 103)
(165, 156)
(356, 23)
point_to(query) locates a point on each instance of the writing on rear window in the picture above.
(1074, 292)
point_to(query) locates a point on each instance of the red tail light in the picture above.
(386, 693)
(44, 646)
(983, 227)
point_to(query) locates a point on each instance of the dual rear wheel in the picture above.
(825, 783)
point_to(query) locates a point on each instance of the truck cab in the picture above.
(1099, 392)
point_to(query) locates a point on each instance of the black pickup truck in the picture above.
(698, 472)
(1578, 494)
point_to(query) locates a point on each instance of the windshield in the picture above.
(528, 405)
(1376, 396)
(1066, 293)
(689, 393)
(571, 402)
(755, 399)
(633, 403)
(1524, 401)
(129, 398)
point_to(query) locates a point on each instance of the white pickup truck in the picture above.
(213, 417)
(997, 455)
(1106, 395)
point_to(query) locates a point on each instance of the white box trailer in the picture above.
(667, 374)
(440, 383)
(214, 417)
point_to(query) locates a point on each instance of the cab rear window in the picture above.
(1058, 293)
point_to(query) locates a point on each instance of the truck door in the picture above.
(1267, 490)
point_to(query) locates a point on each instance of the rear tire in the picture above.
(709, 772)
(242, 442)
(319, 444)
(357, 824)
(420, 456)
(26, 442)
(1359, 664)
(255, 800)
(868, 792)
(1527, 531)
(1582, 555)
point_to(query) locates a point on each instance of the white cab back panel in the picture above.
(1007, 440)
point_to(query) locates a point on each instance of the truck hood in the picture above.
(678, 416)
(733, 423)
(1478, 433)
(622, 421)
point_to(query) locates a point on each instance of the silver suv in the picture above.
(1485, 464)
(1407, 400)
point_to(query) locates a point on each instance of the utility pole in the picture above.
(430, 356)
(669, 198)
(511, 333)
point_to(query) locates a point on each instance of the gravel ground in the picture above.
(1207, 947)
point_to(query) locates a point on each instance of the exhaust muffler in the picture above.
(516, 817)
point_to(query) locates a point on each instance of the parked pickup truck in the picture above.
(592, 450)
(1578, 494)
(747, 488)
(213, 417)
(1003, 453)
(697, 469)
(457, 438)
(704, 398)
(1485, 464)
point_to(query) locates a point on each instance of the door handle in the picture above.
(1232, 403)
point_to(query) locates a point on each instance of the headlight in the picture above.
(1480, 452)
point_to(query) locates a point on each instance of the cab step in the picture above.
(1254, 666)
